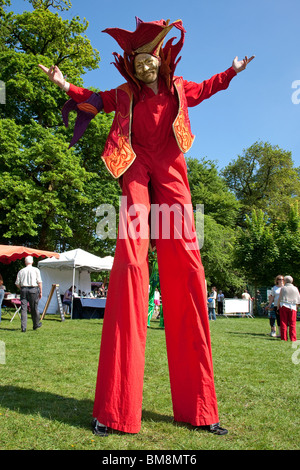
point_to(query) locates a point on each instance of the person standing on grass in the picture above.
(273, 299)
(145, 151)
(220, 299)
(289, 299)
(29, 282)
(212, 304)
(67, 298)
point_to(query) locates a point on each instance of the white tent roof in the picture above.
(72, 268)
(78, 259)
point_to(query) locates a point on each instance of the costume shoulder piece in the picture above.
(86, 111)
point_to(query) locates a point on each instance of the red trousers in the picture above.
(119, 388)
(288, 319)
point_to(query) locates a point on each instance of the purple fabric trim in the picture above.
(83, 118)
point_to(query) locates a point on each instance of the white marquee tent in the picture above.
(72, 268)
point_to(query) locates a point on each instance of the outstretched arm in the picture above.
(86, 103)
(56, 76)
(240, 65)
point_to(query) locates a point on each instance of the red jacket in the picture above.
(118, 152)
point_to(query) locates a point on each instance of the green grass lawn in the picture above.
(47, 385)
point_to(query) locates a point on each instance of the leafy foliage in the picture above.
(287, 236)
(48, 193)
(209, 188)
(256, 249)
(220, 214)
(264, 178)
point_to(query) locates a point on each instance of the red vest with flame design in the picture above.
(118, 153)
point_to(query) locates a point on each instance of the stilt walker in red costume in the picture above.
(144, 150)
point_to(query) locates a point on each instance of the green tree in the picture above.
(42, 36)
(210, 189)
(101, 188)
(48, 193)
(220, 213)
(256, 250)
(287, 236)
(38, 178)
(264, 178)
(45, 4)
(217, 256)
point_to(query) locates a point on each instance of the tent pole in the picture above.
(72, 292)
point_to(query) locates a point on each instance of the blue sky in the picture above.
(258, 104)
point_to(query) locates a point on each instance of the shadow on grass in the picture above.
(71, 411)
(155, 417)
(10, 329)
(250, 333)
(15, 325)
(48, 405)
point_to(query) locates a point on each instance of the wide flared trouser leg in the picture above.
(188, 346)
(183, 290)
(119, 388)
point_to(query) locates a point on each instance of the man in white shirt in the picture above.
(30, 284)
(246, 295)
